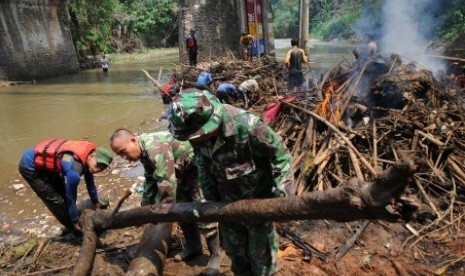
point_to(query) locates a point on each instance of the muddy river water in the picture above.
(91, 106)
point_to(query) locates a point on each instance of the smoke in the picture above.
(404, 27)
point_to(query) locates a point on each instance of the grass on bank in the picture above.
(142, 54)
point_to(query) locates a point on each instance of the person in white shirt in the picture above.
(248, 88)
(104, 62)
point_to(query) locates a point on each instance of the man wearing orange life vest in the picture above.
(46, 166)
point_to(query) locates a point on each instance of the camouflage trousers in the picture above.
(252, 247)
(188, 190)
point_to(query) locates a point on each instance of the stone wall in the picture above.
(34, 43)
(218, 26)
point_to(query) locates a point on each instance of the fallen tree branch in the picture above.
(153, 248)
(355, 199)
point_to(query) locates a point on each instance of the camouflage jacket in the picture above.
(247, 160)
(164, 160)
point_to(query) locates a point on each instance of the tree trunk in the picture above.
(355, 199)
(152, 251)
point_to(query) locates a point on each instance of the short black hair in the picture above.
(121, 133)
(243, 34)
(294, 42)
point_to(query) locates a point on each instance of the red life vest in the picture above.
(47, 153)
(166, 88)
(191, 41)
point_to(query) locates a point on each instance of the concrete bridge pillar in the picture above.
(219, 24)
(34, 42)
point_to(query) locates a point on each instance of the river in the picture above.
(91, 106)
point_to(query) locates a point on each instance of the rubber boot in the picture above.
(216, 255)
(193, 246)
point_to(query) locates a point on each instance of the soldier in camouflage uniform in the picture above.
(238, 157)
(170, 176)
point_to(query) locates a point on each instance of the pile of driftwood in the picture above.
(358, 119)
(267, 71)
(362, 117)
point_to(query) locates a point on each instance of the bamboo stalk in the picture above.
(351, 93)
(447, 58)
(296, 162)
(39, 250)
(160, 72)
(340, 134)
(427, 198)
(308, 133)
(353, 158)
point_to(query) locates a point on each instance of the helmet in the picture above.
(195, 113)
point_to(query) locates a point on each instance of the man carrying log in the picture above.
(238, 157)
(170, 176)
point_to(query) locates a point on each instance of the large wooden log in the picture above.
(355, 199)
(153, 248)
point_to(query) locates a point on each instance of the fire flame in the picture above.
(329, 109)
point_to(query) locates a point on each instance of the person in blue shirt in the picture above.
(229, 94)
(174, 90)
(54, 168)
(204, 80)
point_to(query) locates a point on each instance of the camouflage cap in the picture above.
(195, 113)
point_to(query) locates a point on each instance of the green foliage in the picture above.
(318, 30)
(286, 18)
(91, 25)
(343, 27)
(452, 21)
(97, 25)
(153, 21)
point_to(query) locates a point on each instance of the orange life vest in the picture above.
(47, 153)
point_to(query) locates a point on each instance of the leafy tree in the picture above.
(451, 22)
(91, 25)
(153, 21)
(286, 18)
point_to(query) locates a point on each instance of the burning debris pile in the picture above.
(365, 119)
(360, 119)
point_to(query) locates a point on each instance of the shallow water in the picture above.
(83, 106)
